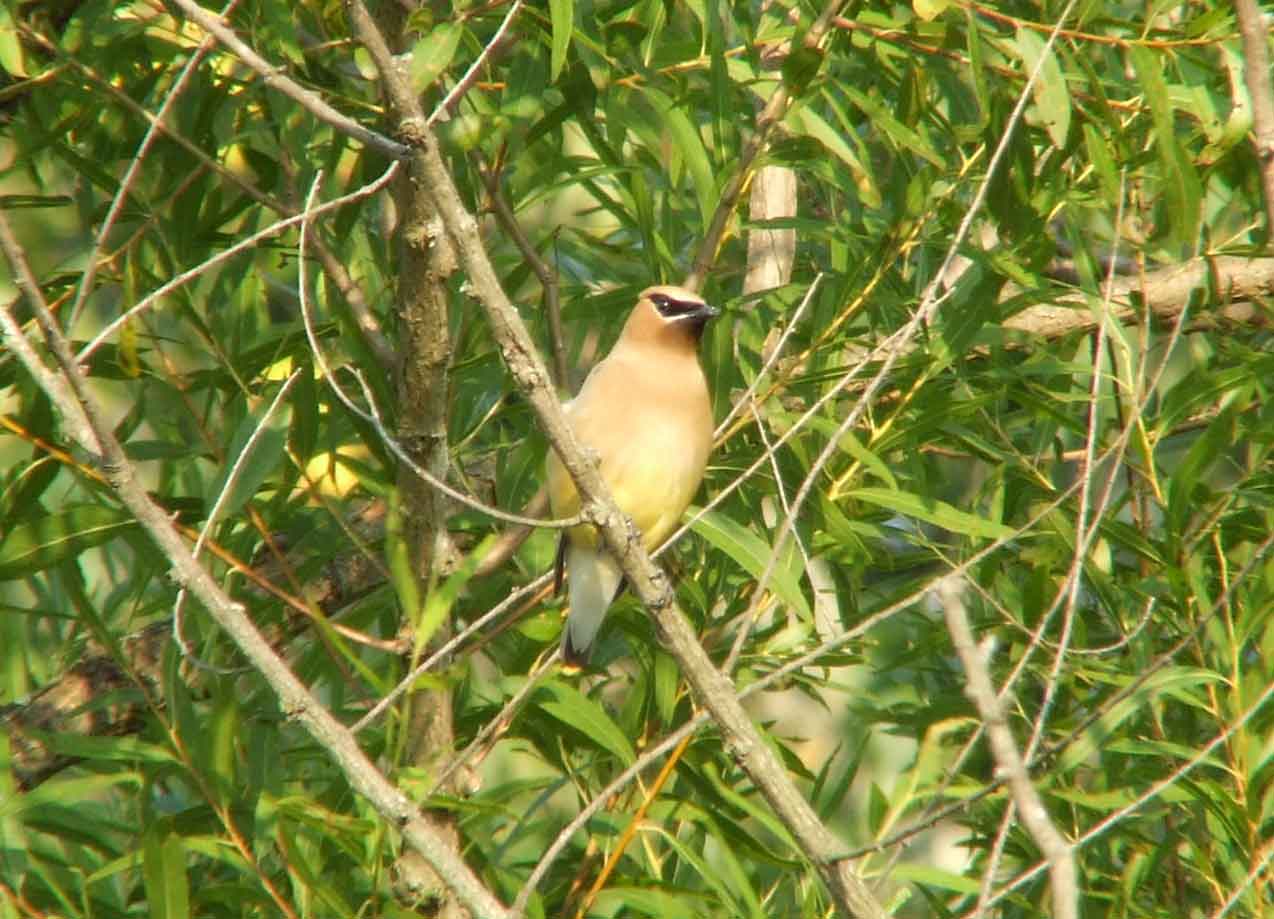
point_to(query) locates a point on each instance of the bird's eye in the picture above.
(661, 302)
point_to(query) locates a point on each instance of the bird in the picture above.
(644, 414)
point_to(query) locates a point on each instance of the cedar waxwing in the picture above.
(644, 412)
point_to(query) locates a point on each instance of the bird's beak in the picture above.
(704, 313)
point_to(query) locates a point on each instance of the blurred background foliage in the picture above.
(1127, 607)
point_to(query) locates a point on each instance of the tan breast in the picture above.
(647, 414)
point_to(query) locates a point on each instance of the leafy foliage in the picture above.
(1109, 492)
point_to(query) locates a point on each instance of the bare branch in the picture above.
(227, 489)
(367, 323)
(276, 79)
(1008, 761)
(445, 650)
(134, 167)
(1237, 281)
(649, 583)
(372, 414)
(1256, 74)
(1202, 755)
(242, 245)
(547, 277)
(294, 698)
(770, 115)
(470, 75)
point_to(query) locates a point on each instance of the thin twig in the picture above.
(1008, 760)
(1201, 756)
(741, 170)
(748, 396)
(248, 242)
(648, 582)
(587, 812)
(367, 323)
(465, 81)
(1084, 535)
(372, 414)
(547, 277)
(276, 79)
(892, 348)
(232, 477)
(294, 699)
(134, 168)
(500, 722)
(451, 645)
(650, 795)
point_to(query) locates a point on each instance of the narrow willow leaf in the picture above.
(433, 54)
(34, 545)
(1052, 98)
(164, 872)
(935, 877)
(685, 135)
(1097, 736)
(648, 902)
(562, 14)
(806, 121)
(1180, 182)
(253, 469)
(571, 707)
(753, 555)
(932, 511)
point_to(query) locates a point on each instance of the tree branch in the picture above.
(1239, 282)
(294, 699)
(1008, 760)
(771, 115)
(276, 79)
(1256, 74)
(649, 583)
(548, 280)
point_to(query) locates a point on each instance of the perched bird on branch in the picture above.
(645, 414)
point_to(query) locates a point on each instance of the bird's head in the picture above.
(669, 315)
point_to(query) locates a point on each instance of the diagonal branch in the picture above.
(1008, 759)
(68, 389)
(770, 116)
(714, 690)
(276, 79)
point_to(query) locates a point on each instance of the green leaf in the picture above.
(443, 596)
(671, 903)
(59, 790)
(800, 67)
(932, 511)
(804, 120)
(264, 446)
(1180, 182)
(433, 54)
(34, 545)
(85, 746)
(930, 9)
(1052, 97)
(571, 707)
(882, 120)
(935, 877)
(667, 680)
(164, 872)
(1166, 682)
(12, 55)
(1103, 163)
(753, 554)
(562, 15)
(685, 135)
